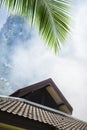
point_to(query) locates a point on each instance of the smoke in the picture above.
(22, 52)
(14, 34)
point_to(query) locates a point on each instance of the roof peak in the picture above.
(49, 88)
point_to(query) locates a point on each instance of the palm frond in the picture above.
(50, 16)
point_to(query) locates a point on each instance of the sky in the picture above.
(35, 62)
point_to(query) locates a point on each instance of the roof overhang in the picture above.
(52, 89)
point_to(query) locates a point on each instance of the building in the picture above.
(41, 106)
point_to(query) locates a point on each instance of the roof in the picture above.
(36, 112)
(50, 87)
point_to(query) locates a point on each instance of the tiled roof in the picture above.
(27, 110)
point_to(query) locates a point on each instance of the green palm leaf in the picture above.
(50, 16)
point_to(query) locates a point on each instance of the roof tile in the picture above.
(36, 113)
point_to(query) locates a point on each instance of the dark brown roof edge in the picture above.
(33, 87)
(45, 83)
